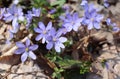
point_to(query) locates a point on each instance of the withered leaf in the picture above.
(10, 59)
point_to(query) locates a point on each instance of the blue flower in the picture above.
(55, 40)
(16, 1)
(114, 26)
(26, 50)
(29, 18)
(43, 31)
(35, 12)
(106, 4)
(83, 3)
(14, 14)
(52, 11)
(71, 22)
(92, 18)
(2, 11)
(66, 8)
(11, 35)
(30, 14)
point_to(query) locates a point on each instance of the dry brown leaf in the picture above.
(10, 59)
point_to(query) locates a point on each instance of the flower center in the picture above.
(64, 30)
(27, 49)
(72, 22)
(15, 14)
(54, 39)
(44, 32)
(92, 19)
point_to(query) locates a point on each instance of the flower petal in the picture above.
(76, 26)
(21, 18)
(37, 30)
(49, 26)
(75, 16)
(96, 25)
(20, 45)
(62, 39)
(68, 26)
(20, 51)
(24, 56)
(39, 37)
(14, 22)
(41, 25)
(28, 42)
(43, 40)
(33, 47)
(49, 45)
(32, 55)
(90, 26)
(57, 48)
(61, 45)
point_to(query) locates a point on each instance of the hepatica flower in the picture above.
(2, 11)
(55, 40)
(92, 19)
(14, 14)
(52, 11)
(29, 18)
(16, 1)
(35, 12)
(43, 31)
(30, 14)
(26, 50)
(114, 26)
(72, 22)
(106, 4)
(83, 3)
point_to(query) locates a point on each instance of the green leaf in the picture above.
(66, 63)
(58, 2)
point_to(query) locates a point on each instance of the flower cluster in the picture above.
(71, 22)
(48, 34)
(15, 14)
(91, 18)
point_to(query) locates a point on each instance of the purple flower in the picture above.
(14, 14)
(30, 14)
(29, 18)
(116, 29)
(43, 31)
(11, 35)
(84, 2)
(63, 30)
(106, 4)
(2, 11)
(66, 8)
(114, 26)
(71, 22)
(109, 23)
(35, 12)
(92, 18)
(16, 1)
(26, 50)
(106, 65)
(52, 11)
(55, 40)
